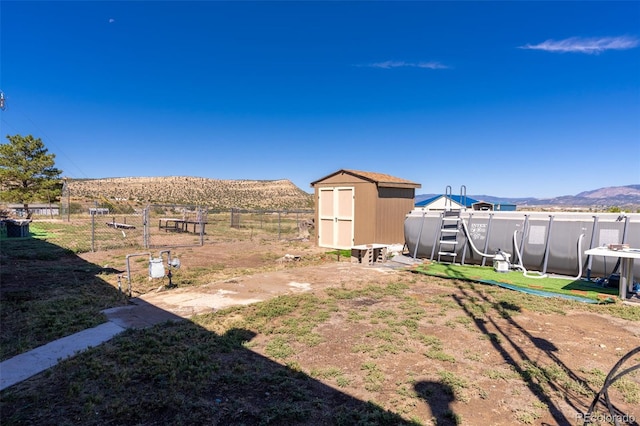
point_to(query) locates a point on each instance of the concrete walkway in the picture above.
(139, 314)
(23, 366)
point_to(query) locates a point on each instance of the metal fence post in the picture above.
(202, 215)
(145, 227)
(68, 204)
(93, 231)
(279, 223)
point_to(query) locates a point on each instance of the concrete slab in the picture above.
(406, 260)
(139, 314)
(23, 366)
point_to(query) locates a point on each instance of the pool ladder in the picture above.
(449, 230)
(450, 226)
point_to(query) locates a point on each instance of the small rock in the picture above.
(289, 258)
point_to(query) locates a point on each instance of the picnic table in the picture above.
(179, 225)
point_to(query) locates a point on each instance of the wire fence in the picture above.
(283, 224)
(164, 226)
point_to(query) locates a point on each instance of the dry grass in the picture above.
(409, 349)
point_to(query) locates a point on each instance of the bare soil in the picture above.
(496, 357)
(504, 346)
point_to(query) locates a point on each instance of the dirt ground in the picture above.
(492, 355)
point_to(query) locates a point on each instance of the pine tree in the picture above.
(27, 172)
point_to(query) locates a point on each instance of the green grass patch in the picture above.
(439, 355)
(454, 385)
(41, 232)
(575, 288)
(340, 253)
(374, 377)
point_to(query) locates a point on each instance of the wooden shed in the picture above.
(355, 207)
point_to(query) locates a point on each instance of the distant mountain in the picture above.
(612, 191)
(619, 196)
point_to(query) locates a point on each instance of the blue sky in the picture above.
(509, 99)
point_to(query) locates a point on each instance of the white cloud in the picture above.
(585, 45)
(111, 20)
(403, 64)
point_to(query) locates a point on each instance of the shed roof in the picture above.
(380, 179)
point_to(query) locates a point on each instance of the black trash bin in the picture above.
(17, 229)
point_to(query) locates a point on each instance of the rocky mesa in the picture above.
(213, 193)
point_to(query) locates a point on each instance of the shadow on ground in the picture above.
(180, 373)
(48, 292)
(173, 372)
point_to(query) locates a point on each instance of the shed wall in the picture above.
(393, 204)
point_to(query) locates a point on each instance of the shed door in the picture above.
(335, 217)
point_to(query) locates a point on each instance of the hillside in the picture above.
(214, 193)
